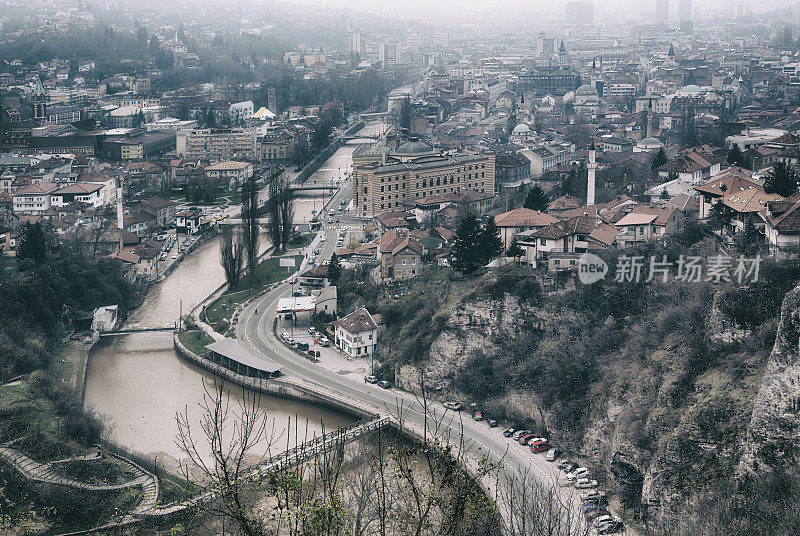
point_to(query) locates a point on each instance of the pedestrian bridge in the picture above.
(137, 329)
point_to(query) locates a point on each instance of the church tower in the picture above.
(591, 169)
(39, 102)
(563, 59)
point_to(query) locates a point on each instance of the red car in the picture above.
(524, 439)
(478, 416)
(540, 446)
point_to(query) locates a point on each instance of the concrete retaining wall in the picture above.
(326, 153)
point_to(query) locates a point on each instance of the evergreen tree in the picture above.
(514, 250)
(782, 180)
(719, 216)
(659, 159)
(536, 199)
(735, 156)
(570, 184)
(491, 243)
(467, 247)
(747, 241)
(32, 244)
(334, 269)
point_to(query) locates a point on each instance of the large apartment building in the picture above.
(221, 145)
(399, 178)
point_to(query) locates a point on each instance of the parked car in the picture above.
(312, 330)
(313, 353)
(383, 384)
(302, 346)
(552, 454)
(477, 415)
(285, 336)
(563, 463)
(453, 406)
(491, 422)
(371, 379)
(585, 483)
(593, 495)
(324, 341)
(596, 512)
(580, 472)
(538, 447)
(520, 433)
(570, 467)
(610, 528)
(524, 440)
(508, 432)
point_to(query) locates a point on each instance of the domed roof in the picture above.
(414, 147)
(691, 88)
(586, 89)
(650, 143)
(522, 128)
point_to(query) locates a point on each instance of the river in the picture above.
(138, 383)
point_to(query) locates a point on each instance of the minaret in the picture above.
(591, 171)
(649, 131)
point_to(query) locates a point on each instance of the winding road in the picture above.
(522, 478)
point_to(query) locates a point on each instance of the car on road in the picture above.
(371, 379)
(491, 422)
(323, 238)
(175, 255)
(383, 384)
(552, 454)
(313, 353)
(332, 212)
(508, 432)
(585, 483)
(454, 406)
(477, 415)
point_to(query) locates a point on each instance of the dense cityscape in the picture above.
(449, 268)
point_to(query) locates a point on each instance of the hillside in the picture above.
(654, 384)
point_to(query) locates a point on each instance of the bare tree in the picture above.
(250, 225)
(274, 213)
(231, 436)
(286, 201)
(231, 257)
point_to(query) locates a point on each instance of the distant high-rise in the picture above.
(272, 100)
(662, 10)
(685, 15)
(354, 45)
(388, 54)
(579, 13)
(545, 46)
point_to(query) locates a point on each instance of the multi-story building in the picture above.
(278, 147)
(232, 173)
(387, 54)
(34, 198)
(412, 172)
(224, 144)
(579, 13)
(548, 156)
(552, 80)
(355, 44)
(356, 334)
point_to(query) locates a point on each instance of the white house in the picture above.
(88, 193)
(33, 198)
(356, 334)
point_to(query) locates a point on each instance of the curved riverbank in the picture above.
(277, 387)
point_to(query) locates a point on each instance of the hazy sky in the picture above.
(442, 9)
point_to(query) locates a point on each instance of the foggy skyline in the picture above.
(497, 10)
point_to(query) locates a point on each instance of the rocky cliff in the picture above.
(773, 436)
(660, 401)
